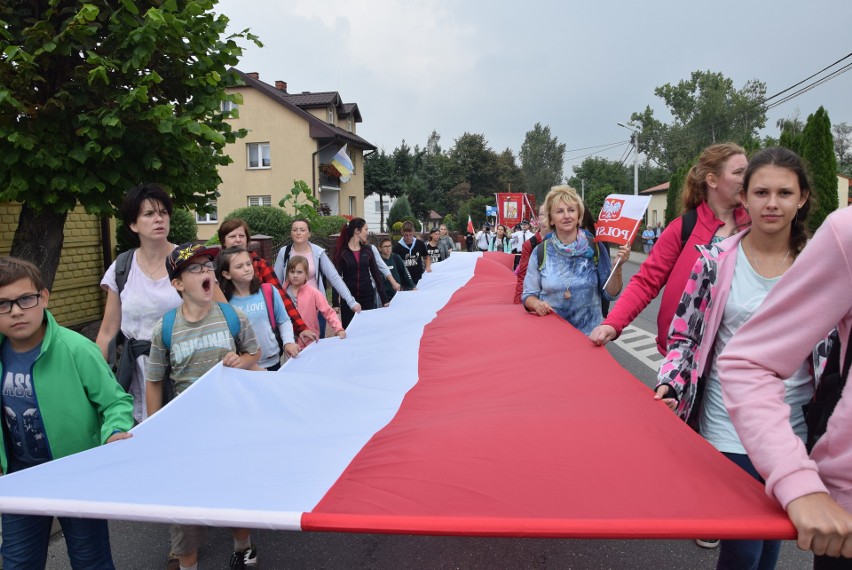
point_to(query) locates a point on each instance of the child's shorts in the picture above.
(187, 538)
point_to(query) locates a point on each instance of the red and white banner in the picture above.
(620, 217)
(514, 207)
(415, 424)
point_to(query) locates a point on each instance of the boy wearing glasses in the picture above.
(59, 397)
(200, 339)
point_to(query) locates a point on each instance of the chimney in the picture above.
(254, 75)
(281, 86)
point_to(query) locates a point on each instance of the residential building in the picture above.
(373, 209)
(290, 137)
(656, 211)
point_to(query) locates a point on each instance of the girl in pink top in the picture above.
(309, 300)
(812, 298)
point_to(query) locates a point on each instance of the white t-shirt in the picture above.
(144, 301)
(748, 289)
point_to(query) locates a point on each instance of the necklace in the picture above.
(760, 271)
(146, 269)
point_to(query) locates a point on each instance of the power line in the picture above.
(847, 56)
(572, 159)
(591, 147)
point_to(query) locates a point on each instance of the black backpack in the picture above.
(819, 410)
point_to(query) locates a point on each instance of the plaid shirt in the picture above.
(265, 274)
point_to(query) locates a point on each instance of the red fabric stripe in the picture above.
(519, 426)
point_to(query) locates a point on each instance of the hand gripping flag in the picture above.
(343, 164)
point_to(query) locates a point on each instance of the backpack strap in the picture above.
(122, 268)
(266, 288)
(688, 221)
(541, 252)
(168, 326)
(233, 322)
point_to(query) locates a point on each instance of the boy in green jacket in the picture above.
(59, 397)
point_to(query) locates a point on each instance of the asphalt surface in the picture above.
(143, 546)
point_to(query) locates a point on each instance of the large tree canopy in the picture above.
(542, 160)
(706, 109)
(818, 153)
(97, 96)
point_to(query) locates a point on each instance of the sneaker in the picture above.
(173, 563)
(707, 542)
(245, 558)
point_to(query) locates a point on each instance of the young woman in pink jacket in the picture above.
(712, 190)
(727, 285)
(813, 297)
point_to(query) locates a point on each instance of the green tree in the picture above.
(472, 160)
(510, 178)
(542, 157)
(302, 201)
(818, 153)
(673, 206)
(596, 172)
(843, 147)
(706, 109)
(791, 132)
(97, 96)
(401, 210)
(475, 208)
(595, 199)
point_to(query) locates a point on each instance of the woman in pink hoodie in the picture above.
(812, 298)
(728, 283)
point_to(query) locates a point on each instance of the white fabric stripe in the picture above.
(252, 449)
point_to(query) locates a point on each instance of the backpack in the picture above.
(688, 219)
(541, 252)
(122, 268)
(168, 326)
(828, 392)
(320, 276)
(268, 290)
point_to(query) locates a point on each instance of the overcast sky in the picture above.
(498, 68)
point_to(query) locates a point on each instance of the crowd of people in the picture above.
(748, 301)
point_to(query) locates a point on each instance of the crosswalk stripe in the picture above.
(641, 345)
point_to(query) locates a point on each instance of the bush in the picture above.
(450, 222)
(266, 220)
(325, 226)
(182, 228)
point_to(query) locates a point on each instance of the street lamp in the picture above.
(634, 138)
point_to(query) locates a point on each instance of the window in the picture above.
(352, 211)
(330, 115)
(352, 159)
(260, 200)
(384, 206)
(228, 106)
(349, 124)
(259, 155)
(211, 218)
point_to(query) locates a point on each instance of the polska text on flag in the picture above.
(620, 217)
(343, 164)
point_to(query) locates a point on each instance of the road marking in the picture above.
(641, 345)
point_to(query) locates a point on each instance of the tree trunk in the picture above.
(38, 239)
(381, 213)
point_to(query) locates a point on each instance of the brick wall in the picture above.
(76, 297)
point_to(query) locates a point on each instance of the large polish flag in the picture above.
(451, 412)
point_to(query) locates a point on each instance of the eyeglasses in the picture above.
(25, 302)
(198, 267)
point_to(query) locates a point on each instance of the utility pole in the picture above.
(634, 140)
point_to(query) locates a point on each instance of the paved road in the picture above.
(143, 546)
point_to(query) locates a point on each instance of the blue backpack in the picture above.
(230, 316)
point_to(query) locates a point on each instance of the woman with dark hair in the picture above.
(501, 241)
(727, 285)
(356, 263)
(138, 288)
(236, 233)
(712, 209)
(321, 270)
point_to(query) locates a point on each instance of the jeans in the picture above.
(747, 554)
(322, 321)
(25, 540)
(829, 563)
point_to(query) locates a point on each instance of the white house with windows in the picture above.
(372, 211)
(290, 137)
